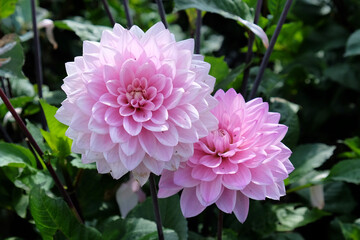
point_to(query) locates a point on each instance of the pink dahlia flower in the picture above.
(137, 101)
(244, 158)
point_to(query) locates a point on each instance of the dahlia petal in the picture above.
(83, 140)
(102, 166)
(168, 69)
(157, 101)
(118, 134)
(160, 116)
(209, 192)
(174, 99)
(131, 146)
(137, 32)
(112, 155)
(254, 191)
(153, 165)
(184, 149)
(112, 117)
(261, 175)
(273, 117)
(90, 157)
(238, 180)
(180, 118)
(186, 44)
(79, 122)
(127, 73)
(132, 127)
(174, 163)
(100, 142)
(147, 70)
(96, 127)
(127, 110)
(190, 205)
(85, 104)
(112, 86)
(142, 115)
(141, 174)
(168, 89)
(149, 125)
(169, 137)
(203, 173)
(132, 161)
(210, 161)
(272, 192)
(188, 135)
(227, 200)
(109, 100)
(167, 187)
(182, 177)
(148, 142)
(96, 89)
(226, 167)
(241, 208)
(191, 111)
(164, 154)
(288, 165)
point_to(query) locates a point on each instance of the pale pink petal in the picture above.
(182, 177)
(238, 180)
(167, 187)
(254, 191)
(132, 127)
(190, 205)
(241, 208)
(141, 174)
(203, 173)
(169, 137)
(227, 200)
(210, 191)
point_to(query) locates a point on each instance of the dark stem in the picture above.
(41, 154)
(3, 86)
(127, 13)
(107, 9)
(156, 206)
(220, 224)
(9, 87)
(38, 65)
(3, 131)
(249, 53)
(38, 163)
(268, 52)
(198, 31)
(162, 12)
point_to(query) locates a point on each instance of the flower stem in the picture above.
(127, 13)
(41, 154)
(220, 224)
(198, 31)
(107, 9)
(156, 206)
(38, 65)
(162, 12)
(249, 53)
(268, 52)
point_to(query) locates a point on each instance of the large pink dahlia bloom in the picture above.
(244, 158)
(137, 101)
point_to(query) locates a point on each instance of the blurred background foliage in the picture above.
(313, 80)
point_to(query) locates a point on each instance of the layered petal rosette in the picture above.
(244, 158)
(137, 101)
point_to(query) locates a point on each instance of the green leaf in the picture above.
(83, 29)
(289, 117)
(275, 8)
(78, 163)
(344, 74)
(170, 212)
(347, 171)
(7, 7)
(353, 144)
(20, 205)
(353, 44)
(230, 79)
(17, 102)
(52, 214)
(350, 231)
(13, 50)
(290, 217)
(227, 8)
(13, 155)
(219, 68)
(58, 142)
(307, 157)
(133, 228)
(338, 198)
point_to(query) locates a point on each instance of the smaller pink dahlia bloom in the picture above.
(244, 158)
(137, 101)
